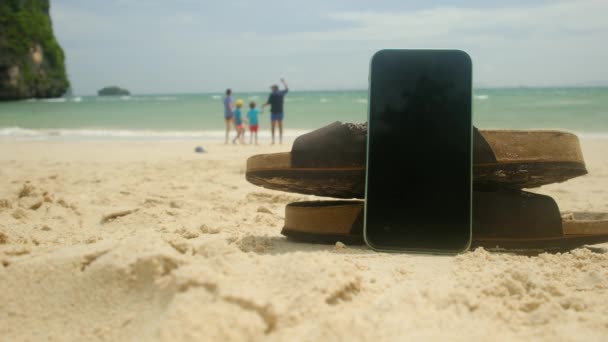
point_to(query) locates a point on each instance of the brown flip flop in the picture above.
(504, 220)
(330, 161)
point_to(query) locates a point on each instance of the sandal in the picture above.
(503, 220)
(330, 161)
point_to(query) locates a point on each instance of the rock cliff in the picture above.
(32, 64)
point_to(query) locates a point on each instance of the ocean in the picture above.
(200, 116)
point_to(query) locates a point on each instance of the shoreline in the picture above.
(19, 135)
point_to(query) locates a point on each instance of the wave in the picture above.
(27, 134)
(55, 100)
(572, 102)
(593, 136)
(361, 101)
(165, 98)
(562, 102)
(20, 134)
(481, 97)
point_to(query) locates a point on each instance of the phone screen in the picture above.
(419, 158)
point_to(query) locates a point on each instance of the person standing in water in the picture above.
(275, 100)
(228, 112)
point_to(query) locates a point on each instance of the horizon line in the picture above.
(479, 87)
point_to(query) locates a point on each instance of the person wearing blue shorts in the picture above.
(228, 112)
(275, 100)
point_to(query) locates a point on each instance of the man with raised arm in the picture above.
(275, 100)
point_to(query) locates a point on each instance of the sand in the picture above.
(119, 241)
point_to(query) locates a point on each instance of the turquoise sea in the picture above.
(200, 116)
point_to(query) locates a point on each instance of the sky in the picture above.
(193, 46)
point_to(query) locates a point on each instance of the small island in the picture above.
(113, 91)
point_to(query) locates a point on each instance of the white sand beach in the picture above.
(134, 241)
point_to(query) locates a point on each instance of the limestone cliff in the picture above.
(31, 61)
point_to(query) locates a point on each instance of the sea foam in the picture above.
(25, 134)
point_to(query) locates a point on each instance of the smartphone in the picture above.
(418, 194)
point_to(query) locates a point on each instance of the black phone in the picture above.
(418, 195)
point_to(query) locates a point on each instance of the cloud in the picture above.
(551, 19)
(191, 46)
(552, 44)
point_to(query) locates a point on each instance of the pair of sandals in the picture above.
(330, 161)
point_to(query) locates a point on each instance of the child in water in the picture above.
(238, 122)
(252, 115)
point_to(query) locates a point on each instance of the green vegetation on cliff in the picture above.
(31, 61)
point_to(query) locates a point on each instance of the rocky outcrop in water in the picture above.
(32, 64)
(113, 91)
